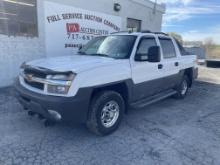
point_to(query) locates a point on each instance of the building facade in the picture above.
(25, 36)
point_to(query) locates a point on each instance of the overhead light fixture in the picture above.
(117, 7)
(19, 3)
(1, 12)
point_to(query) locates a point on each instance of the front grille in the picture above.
(35, 84)
(37, 74)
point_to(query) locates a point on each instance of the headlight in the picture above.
(60, 83)
(55, 89)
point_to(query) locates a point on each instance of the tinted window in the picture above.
(18, 18)
(145, 44)
(181, 48)
(167, 48)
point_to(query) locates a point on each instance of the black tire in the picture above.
(100, 100)
(183, 88)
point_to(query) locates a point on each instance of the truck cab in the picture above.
(108, 75)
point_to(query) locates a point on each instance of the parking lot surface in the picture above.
(170, 132)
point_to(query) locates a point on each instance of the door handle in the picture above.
(160, 66)
(176, 63)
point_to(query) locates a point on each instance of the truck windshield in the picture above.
(116, 46)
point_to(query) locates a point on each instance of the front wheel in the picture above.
(106, 112)
(183, 88)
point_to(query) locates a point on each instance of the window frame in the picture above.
(141, 39)
(182, 50)
(32, 27)
(167, 38)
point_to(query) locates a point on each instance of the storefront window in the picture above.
(18, 18)
(133, 25)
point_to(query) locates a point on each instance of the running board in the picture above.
(152, 99)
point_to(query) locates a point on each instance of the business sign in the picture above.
(67, 28)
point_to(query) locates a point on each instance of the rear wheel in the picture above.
(106, 112)
(183, 88)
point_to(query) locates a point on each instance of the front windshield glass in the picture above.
(117, 46)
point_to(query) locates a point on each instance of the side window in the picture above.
(145, 44)
(181, 48)
(167, 47)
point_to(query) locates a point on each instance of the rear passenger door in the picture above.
(170, 62)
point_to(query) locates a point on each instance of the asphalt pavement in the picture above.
(170, 132)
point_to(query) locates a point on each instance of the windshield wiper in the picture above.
(100, 54)
(95, 54)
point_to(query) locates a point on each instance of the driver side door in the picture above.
(146, 75)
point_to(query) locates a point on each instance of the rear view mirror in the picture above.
(154, 54)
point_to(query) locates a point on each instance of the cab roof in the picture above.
(140, 33)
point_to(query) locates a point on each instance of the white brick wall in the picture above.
(13, 52)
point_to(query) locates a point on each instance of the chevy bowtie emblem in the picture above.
(29, 77)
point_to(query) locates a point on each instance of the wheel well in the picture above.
(119, 87)
(189, 73)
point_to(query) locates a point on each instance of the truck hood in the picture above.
(75, 63)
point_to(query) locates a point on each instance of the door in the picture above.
(170, 63)
(146, 75)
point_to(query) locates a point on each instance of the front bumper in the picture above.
(71, 109)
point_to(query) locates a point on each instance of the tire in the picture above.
(106, 112)
(183, 88)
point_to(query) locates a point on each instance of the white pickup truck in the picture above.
(107, 76)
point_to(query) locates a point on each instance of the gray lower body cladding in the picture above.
(153, 87)
(73, 109)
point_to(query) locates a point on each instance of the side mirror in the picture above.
(154, 54)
